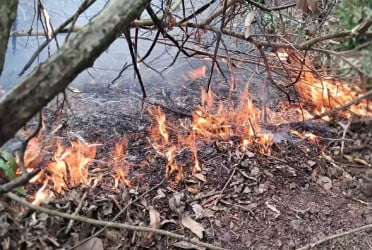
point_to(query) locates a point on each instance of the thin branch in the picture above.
(108, 223)
(134, 61)
(22, 150)
(335, 236)
(62, 27)
(19, 181)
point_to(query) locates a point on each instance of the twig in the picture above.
(134, 61)
(85, 5)
(19, 181)
(108, 223)
(335, 236)
(116, 216)
(81, 202)
(21, 153)
(345, 127)
(226, 184)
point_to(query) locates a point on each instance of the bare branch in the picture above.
(50, 78)
(8, 13)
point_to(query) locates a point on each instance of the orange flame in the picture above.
(121, 166)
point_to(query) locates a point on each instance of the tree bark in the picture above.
(8, 13)
(28, 97)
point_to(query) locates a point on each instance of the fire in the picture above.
(326, 94)
(212, 121)
(121, 166)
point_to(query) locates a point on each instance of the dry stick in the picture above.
(85, 5)
(21, 153)
(197, 12)
(219, 37)
(226, 184)
(108, 223)
(335, 236)
(134, 61)
(218, 12)
(345, 127)
(117, 215)
(71, 223)
(344, 106)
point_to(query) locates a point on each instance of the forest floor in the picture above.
(298, 194)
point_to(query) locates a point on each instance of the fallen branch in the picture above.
(335, 236)
(108, 223)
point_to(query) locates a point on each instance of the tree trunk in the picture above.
(8, 13)
(29, 96)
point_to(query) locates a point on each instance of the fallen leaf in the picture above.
(302, 5)
(176, 204)
(192, 190)
(154, 217)
(325, 182)
(272, 208)
(362, 162)
(248, 23)
(312, 5)
(200, 177)
(198, 210)
(92, 244)
(187, 245)
(194, 226)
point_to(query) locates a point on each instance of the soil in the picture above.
(298, 194)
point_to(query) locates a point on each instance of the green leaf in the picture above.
(9, 166)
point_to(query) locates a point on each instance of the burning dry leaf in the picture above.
(92, 244)
(325, 182)
(194, 226)
(248, 23)
(154, 217)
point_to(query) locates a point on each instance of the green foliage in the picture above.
(351, 13)
(8, 166)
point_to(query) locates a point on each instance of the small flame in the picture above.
(121, 166)
(159, 116)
